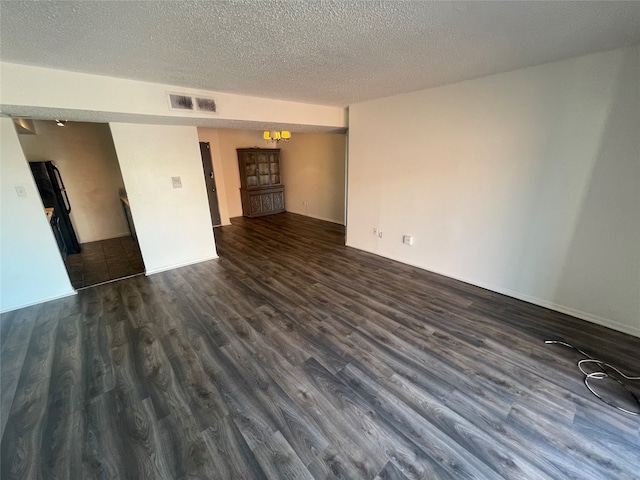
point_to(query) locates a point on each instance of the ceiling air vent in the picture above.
(178, 101)
(206, 104)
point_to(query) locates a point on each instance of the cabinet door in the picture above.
(264, 178)
(278, 201)
(267, 202)
(256, 204)
(250, 169)
(274, 170)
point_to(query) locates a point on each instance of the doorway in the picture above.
(210, 180)
(78, 176)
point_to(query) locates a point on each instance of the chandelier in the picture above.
(275, 136)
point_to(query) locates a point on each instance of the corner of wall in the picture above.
(31, 270)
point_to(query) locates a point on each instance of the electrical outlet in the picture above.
(304, 203)
(21, 191)
(375, 231)
(407, 239)
(379, 233)
(176, 182)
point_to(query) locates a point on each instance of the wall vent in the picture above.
(178, 101)
(206, 104)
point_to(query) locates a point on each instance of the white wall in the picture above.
(86, 158)
(173, 224)
(31, 269)
(24, 85)
(313, 171)
(526, 183)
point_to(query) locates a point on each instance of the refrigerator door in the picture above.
(51, 188)
(63, 191)
(46, 188)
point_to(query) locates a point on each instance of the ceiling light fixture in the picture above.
(275, 136)
(61, 123)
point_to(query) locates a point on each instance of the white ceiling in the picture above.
(324, 52)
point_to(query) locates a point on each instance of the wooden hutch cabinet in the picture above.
(260, 187)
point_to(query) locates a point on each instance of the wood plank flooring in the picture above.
(292, 356)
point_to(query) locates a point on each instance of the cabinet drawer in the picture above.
(256, 202)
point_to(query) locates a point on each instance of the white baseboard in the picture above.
(36, 302)
(605, 322)
(317, 217)
(124, 233)
(178, 265)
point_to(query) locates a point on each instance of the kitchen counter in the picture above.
(49, 213)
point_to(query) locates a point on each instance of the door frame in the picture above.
(209, 179)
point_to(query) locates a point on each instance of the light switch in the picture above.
(21, 191)
(177, 182)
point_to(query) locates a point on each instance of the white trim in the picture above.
(124, 233)
(111, 281)
(37, 302)
(317, 217)
(346, 175)
(178, 265)
(605, 322)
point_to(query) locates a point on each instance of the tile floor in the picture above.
(104, 260)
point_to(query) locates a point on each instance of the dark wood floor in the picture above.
(295, 357)
(103, 261)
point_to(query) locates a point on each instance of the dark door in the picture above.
(210, 179)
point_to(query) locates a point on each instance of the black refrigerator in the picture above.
(53, 193)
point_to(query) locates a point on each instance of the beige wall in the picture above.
(86, 158)
(313, 172)
(525, 183)
(228, 140)
(210, 135)
(31, 268)
(173, 224)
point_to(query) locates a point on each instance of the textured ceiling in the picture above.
(329, 52)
